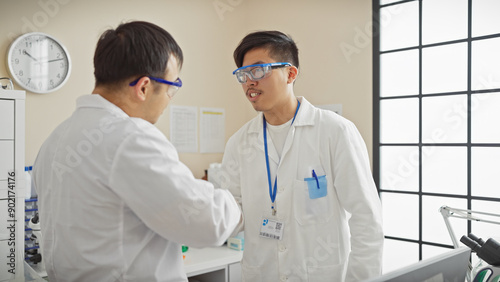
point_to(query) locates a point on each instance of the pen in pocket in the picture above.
(315, 177)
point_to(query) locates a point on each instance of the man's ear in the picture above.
(142, 88)
(293, 72)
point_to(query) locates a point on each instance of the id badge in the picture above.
(272, 229)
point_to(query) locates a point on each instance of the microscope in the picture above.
(36, 236)
(489, 252)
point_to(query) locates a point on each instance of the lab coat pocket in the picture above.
(317, 186)
(325, 273)
(312, 210)
(250, 273)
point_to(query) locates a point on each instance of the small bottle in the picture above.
(27, 175)
(184, 250)
(32, 187)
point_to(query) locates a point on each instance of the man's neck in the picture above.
(282, 114)
(116, 98)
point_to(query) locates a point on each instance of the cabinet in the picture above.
(12, 185)
(216, 264)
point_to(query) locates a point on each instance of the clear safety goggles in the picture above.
(257, 72)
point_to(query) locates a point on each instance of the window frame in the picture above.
(377, 145)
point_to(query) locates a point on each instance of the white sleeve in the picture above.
(229, 177)
(358, 195)
(148, 176)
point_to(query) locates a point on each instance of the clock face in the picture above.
(38, 62)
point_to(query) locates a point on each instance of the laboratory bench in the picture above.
(215, 264)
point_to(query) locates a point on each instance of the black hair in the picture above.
(132, 50)
(281, 47)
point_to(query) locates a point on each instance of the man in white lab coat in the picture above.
(301, 175)
(115, 202)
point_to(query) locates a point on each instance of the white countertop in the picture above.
(197, 261)
(204, 260)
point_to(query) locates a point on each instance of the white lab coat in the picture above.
(316, 244)
(116, 203)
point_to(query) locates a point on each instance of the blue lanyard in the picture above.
(272, 190)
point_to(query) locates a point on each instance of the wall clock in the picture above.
(38, 62)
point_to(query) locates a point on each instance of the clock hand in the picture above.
(26, 53)
(51, 61)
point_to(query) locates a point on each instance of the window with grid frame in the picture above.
(436, 80)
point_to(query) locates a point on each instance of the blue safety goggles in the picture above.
(257, 72)
(174, 85)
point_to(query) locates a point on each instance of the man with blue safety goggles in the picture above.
(116, 203)
(297, 171)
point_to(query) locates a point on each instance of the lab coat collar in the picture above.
(97, 101)
(304, 117)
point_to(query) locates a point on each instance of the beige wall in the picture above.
(208, 31)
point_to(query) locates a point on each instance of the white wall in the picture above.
(207, 31)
